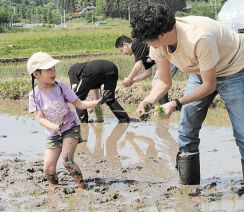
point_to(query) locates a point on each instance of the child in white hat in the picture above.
(49, 100)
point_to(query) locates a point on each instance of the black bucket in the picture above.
(188, 165)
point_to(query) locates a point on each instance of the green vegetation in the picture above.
(79, 37)
(99, 113)
(202, 8)
(159, 110)
(12, 70)
(14, 89)
(86, 39)
(15, 82)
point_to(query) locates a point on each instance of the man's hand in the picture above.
(127, 82)
(168, 108)
(144, 109)
(107, 94)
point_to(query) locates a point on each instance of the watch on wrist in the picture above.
(178, 104)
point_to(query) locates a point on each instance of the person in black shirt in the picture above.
(141, 53)
(91, 75)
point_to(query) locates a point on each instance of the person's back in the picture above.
(195, 33)
(141, 52)
(92, 75)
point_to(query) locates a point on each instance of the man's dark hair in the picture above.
(152, 22)
(121, 40)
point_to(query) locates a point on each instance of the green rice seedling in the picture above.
(36, 193)
(17, 209)
(157, 205)
(206, 206)
(99, 113)
(70, 203)
(159, 110)
(141, 192)
(17, 193)
(91, 204)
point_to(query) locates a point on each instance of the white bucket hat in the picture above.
(40, 60)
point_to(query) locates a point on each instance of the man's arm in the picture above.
(163, 83)
(146, 74)
(161, 87)
(128, 81)
(207, 87)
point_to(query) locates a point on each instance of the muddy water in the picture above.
(131, 164)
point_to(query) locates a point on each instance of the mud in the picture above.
(138, 91)
(110, 187)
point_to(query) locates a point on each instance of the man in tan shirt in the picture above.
(214, 57)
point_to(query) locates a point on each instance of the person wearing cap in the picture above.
(140, 50)
(92, 75)
(214, 57)
(49, 100)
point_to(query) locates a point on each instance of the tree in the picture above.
(100, 7)
(122, 8)
(4, 16)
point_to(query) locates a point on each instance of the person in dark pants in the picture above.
(213, 56)
(91, 75)
(140, 50)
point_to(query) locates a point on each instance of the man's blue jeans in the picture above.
(231, 90)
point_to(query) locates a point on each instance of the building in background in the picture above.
(232, 15)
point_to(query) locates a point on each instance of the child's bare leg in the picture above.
(50, 162)
(69, 146)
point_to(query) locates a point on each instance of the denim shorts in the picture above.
(57, 140)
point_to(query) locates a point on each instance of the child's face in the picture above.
(47, 76)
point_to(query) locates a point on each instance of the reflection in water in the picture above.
(114, 137)
(166, 140)
(144, 143)
(97, 129)
(132, 144)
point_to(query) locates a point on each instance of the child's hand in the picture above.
(90, 110)
(58, 127)
(105, 97)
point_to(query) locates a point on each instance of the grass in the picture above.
(12, 70)
(79, 38)
(15, 82)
